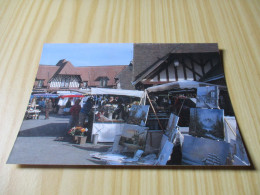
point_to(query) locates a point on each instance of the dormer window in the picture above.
(40, 83)
(85, 84)
(102, 81)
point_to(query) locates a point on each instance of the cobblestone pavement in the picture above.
(36, 144)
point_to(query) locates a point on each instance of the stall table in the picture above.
(34, 114)
(107, 131)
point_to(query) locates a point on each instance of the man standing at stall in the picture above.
(85, 111)
(48, 108)
(119, 113)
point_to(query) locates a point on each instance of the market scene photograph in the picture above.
(140, 104)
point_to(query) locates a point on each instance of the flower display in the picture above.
(78, 131)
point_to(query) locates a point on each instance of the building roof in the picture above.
(46, 72)
(87, 73)
(147, 54)
(92, 73)
(66, 68)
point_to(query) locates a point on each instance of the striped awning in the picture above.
(45, 95)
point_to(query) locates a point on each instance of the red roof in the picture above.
(92, 73)
(45, 72)
(87, 73)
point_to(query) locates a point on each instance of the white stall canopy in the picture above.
(181, 85)
(106, 91)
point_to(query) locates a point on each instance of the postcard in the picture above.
(124, 104)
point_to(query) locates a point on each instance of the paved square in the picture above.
(36, 144)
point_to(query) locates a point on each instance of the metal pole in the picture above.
(155, 113)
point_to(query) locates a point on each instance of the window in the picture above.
(65, 82)
(85, 84)
(40, 83)
(103, 82)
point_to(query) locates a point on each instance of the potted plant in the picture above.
(79, 134)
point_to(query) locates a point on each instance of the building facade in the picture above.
(65, 76)
(155, 64)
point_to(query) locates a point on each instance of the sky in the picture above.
(87, 54)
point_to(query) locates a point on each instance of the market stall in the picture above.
(214, 134)
(178, 97)
(108, 119)
(210, 138)
(64, 107)
(35, 106)
(32, 113)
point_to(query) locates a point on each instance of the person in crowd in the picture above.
(99, 102)
(182, 109)
(56, 105)
(104, 101)
(85, 111)
(165, 104)
(111, 100)
(48, 108)
(120, 110)
(176, 156)
(116, 99)
(68, 104)
(74, 111)
(154, 103)
(67, 107)
(33, 104)
(42, 104)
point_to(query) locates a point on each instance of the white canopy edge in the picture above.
(180, 85)
(106, 91)
(79, 91)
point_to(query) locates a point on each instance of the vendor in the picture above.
(104, 101)
(120, 110)
(154, 104)
(112, 100)
(176, 156)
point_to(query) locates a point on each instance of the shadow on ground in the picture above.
(97, 162)
(48, 130)
(94, 149)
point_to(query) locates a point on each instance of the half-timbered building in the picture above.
(155, 64)
(65, 76)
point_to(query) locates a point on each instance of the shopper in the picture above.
(119, 113)
(42, 104)
(48, 108)
(33, 104)
(85, 111)
(74, 111)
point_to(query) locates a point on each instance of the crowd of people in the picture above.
(45, 105)
(80, 110)
(109, 108)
